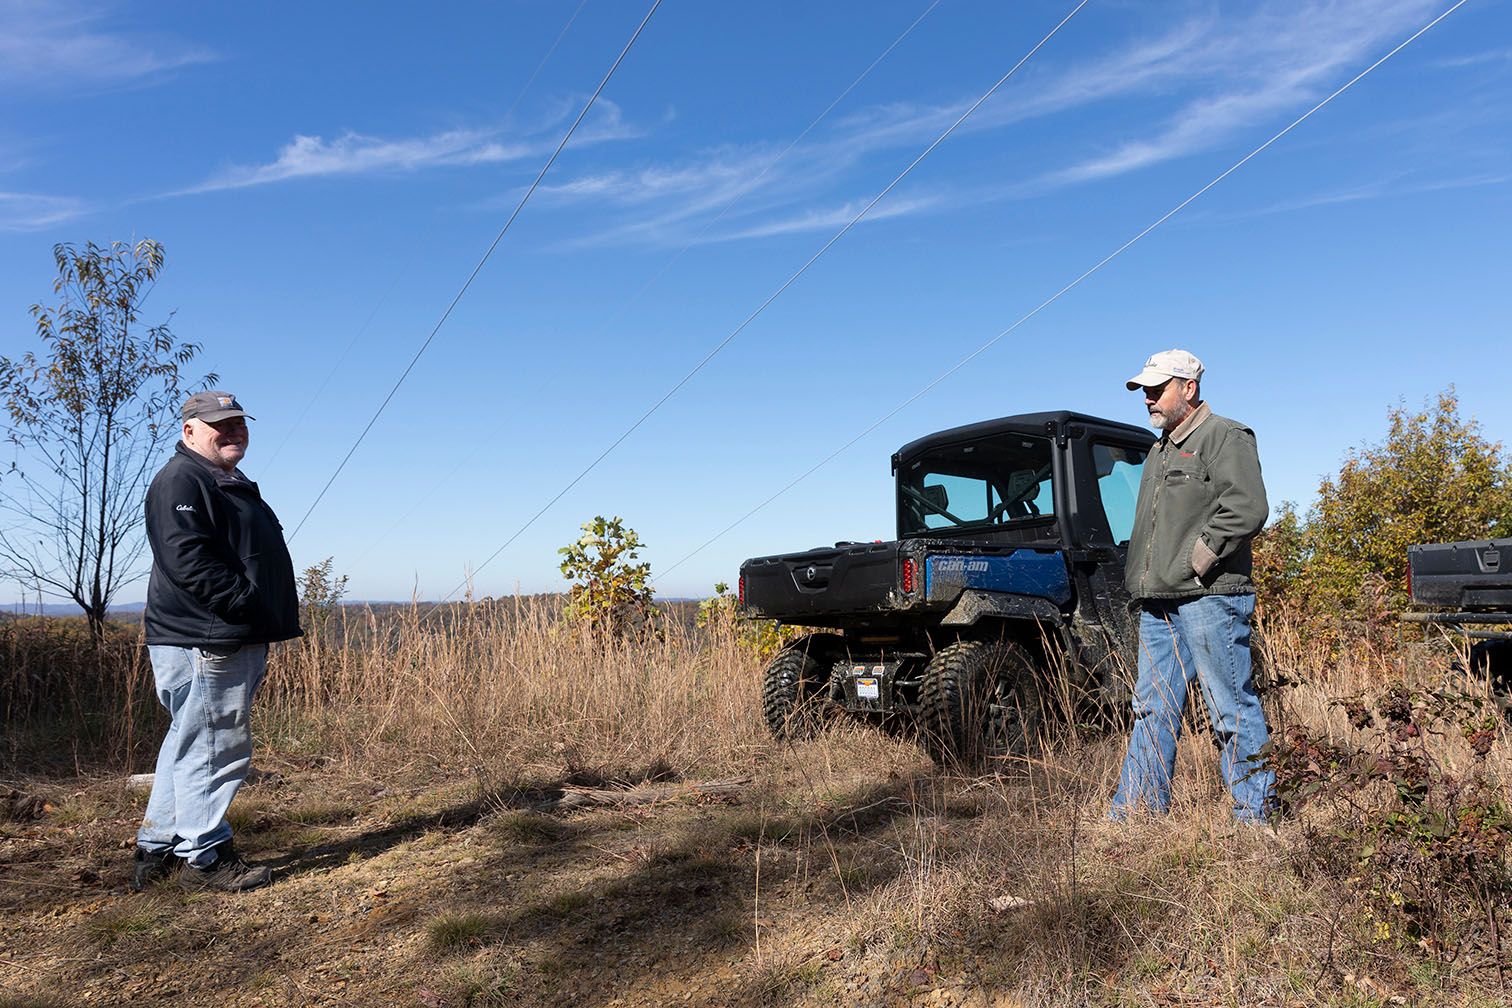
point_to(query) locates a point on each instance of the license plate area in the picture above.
(869, 685)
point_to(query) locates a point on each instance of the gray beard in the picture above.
(1170, 421)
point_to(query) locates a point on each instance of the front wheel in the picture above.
(980, 701)
(793, 688)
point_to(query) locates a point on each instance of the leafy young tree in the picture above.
(1435, 478)
(89, 417)
(320, 593)
(611, 590)
(718, 615)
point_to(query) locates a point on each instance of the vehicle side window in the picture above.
(1118, 471)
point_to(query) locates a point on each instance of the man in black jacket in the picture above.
(221, 590)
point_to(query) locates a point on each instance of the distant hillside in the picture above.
(131, 609)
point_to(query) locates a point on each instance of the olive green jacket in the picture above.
(1201, 501)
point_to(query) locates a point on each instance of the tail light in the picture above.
(740, 589)
(910, 575)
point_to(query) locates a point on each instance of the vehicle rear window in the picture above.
(994, 481)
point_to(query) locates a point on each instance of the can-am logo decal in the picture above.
(960, 565)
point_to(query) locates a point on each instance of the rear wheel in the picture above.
(794, 688)
(1493, 659)
(980, 702)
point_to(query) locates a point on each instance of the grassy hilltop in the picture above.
(498, 809)
(572, 800)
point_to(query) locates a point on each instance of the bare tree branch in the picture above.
(91, 417)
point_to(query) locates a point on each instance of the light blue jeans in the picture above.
(1206, 638)
(208, 749)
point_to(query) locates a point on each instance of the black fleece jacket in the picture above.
(221, 574)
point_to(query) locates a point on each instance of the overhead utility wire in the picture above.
(751, 185)
(681, 252)
(299, 420)
(763, 306)
(544, 60)
(1056, 296)
(298, 423)
(482, 262)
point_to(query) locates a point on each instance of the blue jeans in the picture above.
(1206, 638)
(208, 749)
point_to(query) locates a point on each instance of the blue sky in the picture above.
(324, 180)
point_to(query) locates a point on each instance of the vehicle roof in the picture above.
(1021, 423)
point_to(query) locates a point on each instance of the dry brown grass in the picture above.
(852, 871)
(65, 701)
(506, 692)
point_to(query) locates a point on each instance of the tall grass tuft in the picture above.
(507, 691)
(65, 700)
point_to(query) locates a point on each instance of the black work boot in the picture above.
(149, 866)
(227, 873)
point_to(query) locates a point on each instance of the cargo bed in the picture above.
(1474, 576)
(848, 584)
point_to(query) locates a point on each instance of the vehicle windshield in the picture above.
(993, 481)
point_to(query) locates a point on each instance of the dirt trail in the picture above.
(436, 897)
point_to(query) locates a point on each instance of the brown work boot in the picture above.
(227, 873)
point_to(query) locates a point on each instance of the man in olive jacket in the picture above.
(1201, 501)
(221, 590)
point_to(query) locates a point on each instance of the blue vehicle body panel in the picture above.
(1022, 572)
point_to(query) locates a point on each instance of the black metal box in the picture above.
(1471, 576)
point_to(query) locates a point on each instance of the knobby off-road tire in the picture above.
(794, 689)
(1493, 659)
(981, 704)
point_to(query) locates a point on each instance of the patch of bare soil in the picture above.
(724, 893)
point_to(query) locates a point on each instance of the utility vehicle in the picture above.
(1468, 586)
(1001, 597)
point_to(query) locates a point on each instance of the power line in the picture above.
(767, 168)
(481, 262)
(1057, 295)
(544, 60)
(742, 191)
(298, 421)
(763, 306)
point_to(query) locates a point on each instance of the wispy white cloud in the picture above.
(1389, 188)
(351, 153)
(1192, 87)
(1280, 58)
(33, 212)
(826, 220)
(355, 154)
(668, 204)
(705, 183)
(1140, 66)
(1492, 57)
(716, 172)
(672, 202)
(66, 44)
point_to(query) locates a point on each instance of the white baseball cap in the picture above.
(1167, 364)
